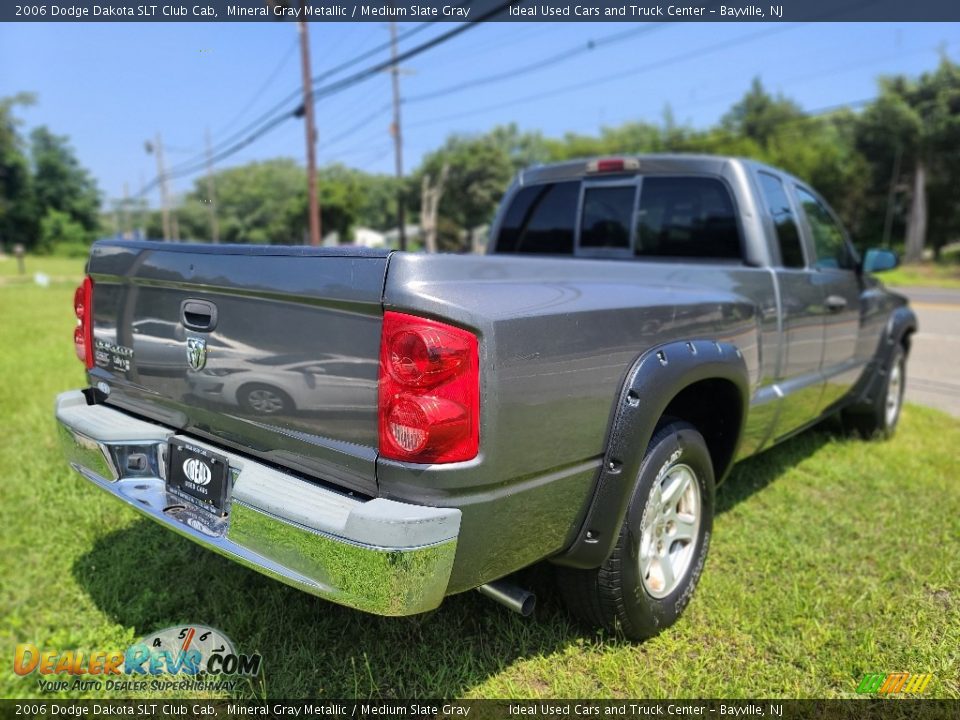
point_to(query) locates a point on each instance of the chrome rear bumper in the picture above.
(381, 556)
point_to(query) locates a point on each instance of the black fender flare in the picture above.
(901, 323)
(654, 379)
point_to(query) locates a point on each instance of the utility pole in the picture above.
(141, 213)
(156, 148)
(211, 192)
(397, 138)
(315, 230)
(127, 232)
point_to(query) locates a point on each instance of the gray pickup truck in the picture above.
(383, 429)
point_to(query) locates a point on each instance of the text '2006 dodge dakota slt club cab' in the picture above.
(383, 429)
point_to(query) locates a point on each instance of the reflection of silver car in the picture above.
(275, 386)
(159, 346)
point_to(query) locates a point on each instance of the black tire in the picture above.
(616, 595)
(875, 419)
(262, 399)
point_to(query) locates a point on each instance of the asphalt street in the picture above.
(933, 370)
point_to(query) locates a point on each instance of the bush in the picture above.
(61, 234)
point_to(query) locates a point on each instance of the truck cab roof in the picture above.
(656, 163)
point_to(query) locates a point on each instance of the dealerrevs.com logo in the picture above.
(184, 657)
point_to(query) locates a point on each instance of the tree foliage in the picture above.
(18, 219)
(871, 165)
(47, 199)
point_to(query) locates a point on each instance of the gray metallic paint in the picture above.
(558, 339)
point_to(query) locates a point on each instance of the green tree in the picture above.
(261, 202)
(760, 115)
(18, 223)
(61, 234)
(61, 183)
(911, 135)
(480, 170)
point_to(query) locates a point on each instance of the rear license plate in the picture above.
(198, 475)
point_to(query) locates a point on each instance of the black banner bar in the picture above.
(473, 10)
(854, 709)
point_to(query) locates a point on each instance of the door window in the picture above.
(829, 241)
(784, 223)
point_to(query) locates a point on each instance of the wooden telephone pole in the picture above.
(397, 138)
(156, 148)
(311, 133)
(211, 192)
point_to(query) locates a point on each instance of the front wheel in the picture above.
(880, 416)
(653, 570)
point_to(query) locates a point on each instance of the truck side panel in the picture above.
(554, 354)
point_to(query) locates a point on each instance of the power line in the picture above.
(339, 86)
(644, 68)
(619, 75)
(793, 80)
(536, 66)
(266, 116)
(263, 87)
(546, 62)
(359, 125)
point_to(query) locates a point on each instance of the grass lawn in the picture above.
(945, 275)
(56, 268)
(831, 558)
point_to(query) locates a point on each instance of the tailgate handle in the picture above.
(198, 315)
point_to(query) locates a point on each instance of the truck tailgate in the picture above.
(265, 349)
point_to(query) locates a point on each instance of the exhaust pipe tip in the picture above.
(510, 596)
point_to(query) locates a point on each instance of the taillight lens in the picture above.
(429, 405)
(83, 333)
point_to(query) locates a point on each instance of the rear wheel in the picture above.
(653, 570)
(879, 418)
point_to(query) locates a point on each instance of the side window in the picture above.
(607, 217)
(785, 224)
(690, 217)
(541, 220)
(828, 239)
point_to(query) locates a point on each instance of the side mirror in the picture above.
(878, 260)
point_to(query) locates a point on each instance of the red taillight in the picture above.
(429, 409)
(83, 333)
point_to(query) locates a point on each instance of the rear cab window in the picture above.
(687, 217)
(541, 220)
(646, 217)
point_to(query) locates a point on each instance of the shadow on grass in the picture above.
(147, 578)
(755, 473)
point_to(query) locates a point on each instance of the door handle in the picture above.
(198, 315)
(836, 303)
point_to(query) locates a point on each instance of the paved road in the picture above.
(933, 371)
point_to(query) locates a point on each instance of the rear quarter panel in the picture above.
(557, 339)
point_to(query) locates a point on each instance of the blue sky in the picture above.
(110, 86)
